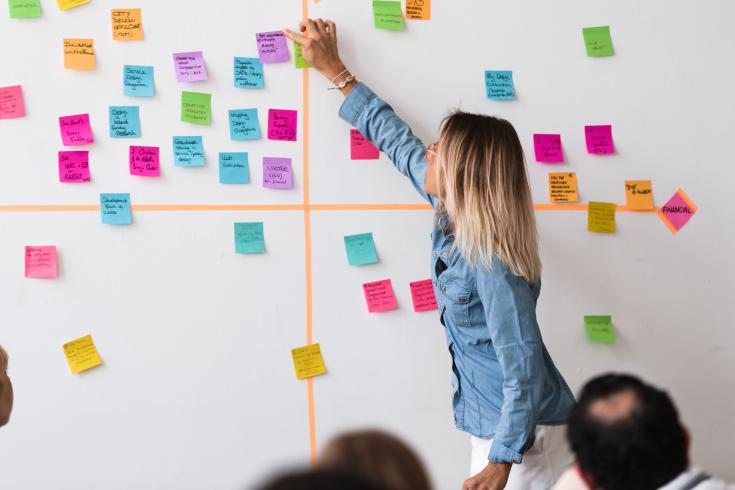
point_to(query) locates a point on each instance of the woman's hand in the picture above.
(493, 477)
(318, 40)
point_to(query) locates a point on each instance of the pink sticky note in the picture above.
(41, 262)
(144, 161)
(277, 173)
(190, 66)
(379, 296)
(599, 139)
(75, 130)
(272, 47)
(422, 293)
(74, 166)
(11, 102)
(548, 148)
(361, 148)
(281, 124)
(677, 211)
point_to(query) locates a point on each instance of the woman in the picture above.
(486, 273)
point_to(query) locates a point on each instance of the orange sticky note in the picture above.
(69, 4)
(563, 187)
(639, 195)
(418, 9)
(81, 354)
(79, 54)
(308, 361)
(127, 24)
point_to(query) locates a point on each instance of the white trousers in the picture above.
(542, 465)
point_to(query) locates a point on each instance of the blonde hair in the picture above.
(485, 193)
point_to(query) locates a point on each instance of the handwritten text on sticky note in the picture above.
(360, 249)
(249, 238)
(277, 173)
(124, 121)
(418, 9)
(599, 328)
(11, 102)
(379, 296)
(144, 160)
(677, 211)
(234, 168)
(188, 151)
(244, 124)
(281, 124)
(499, 85)
(601, 217)
(308, 361)
(138, 81)
(422, 294)
(79, 54)
(127, 24)
(190, 66)
(639, 195)
(248, 73)
(597, 41)
(24, 9)
(115, 209)
(599, 139)
(563, 187)
(548, 148)
(272, 47)
(387, 15)
(75, 130)
(41, 262)
(74, 166)
(196, 107)
(81, 354)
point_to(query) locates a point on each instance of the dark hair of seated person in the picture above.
(320, 479)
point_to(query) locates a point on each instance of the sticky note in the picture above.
(11, 102)
(115, 209)
(379, 296)
(196, 107)
(75, 130)
(499, 85)
(308, 361)
(272, 47)
(563, 187)
(599, 328)
(138, 81)
(387, 15)
(74, 166)
(79, 54)
(190, 66)
(360, 249)
(362, 148)
(81, 354)
(281, 124)
(68, 4)
(677, 211)
(248, 73)
(144, 160)
(598, 42)
(277, 173)
(234, 168)
(548, 148)
(24, 9)
(599, 139)
(127, 24)
(124, 121)
(601, 217)
(418, 9)
(249, 238)
(639, 195)
(298, 57)
(188, 151)
(244, 124)
(41, 262)
(422, 294)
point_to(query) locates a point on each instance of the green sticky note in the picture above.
(24, 9)
(599, 328)
(249, 238)
(598, 42)
(298, 57)
(360, 249)
(388, 15)
(196, 107)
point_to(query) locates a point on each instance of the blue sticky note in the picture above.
(188, 151)
(248, 73)
(233, 168)
(115, 209)
(124, 121)
(499, 85)
(244, 124)
(249, 238)
(138, 81)
(360, 249)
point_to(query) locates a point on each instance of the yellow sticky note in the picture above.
(418, 9)
(127, 24)
(69, 4)
(81, 354)
(639, 194)
(601, 217)
(79, 54)
(563, 187)
(308, 361)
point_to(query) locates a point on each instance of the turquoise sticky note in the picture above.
(248, 73)
(138, 81)
(360, 249)
(233, 168)
(249, 238)
(124, 121)
(499, 85)
(188, 151)
(115, 209)
(244, 124)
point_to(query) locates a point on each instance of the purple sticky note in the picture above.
(190, 66)
(277, 173)
(272, 47)
(599, 139)
(144, 160)
(75, 130)
(281, 124)
(74, 166)
(548, 148)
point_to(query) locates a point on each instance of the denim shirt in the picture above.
(503, 379)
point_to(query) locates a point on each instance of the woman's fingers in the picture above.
(295, 37)
(331, 28)
(311, 27)
(321, 27)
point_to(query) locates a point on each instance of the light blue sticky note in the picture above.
(233, 168)
(138, 81)
(249, 238)
(124, 121)
(244, 124)
(115, 209)
(248, 73)
(499, 85)
(188, 151)
(360, 249)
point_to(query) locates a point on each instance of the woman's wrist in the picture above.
(333, 70)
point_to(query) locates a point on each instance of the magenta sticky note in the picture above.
(272, 47)
(277, 173)
(41, 262)
(144, 160)
(74, 166)
(548, 148)
(379, 296)
(11, 102)
(75, 130)
(422, 294)
(281, 124)
(599, 139)
(677, 211)
(361, 148)
(190, 66)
